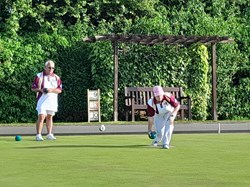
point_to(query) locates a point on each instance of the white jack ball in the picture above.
(102, 128)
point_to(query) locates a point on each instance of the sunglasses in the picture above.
(51, 68)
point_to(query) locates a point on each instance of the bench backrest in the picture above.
(143, 94)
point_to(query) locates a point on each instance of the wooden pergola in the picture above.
(151, 40)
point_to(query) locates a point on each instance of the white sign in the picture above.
(94, 113)
(93, 95)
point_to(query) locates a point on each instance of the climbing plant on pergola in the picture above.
(151, 40)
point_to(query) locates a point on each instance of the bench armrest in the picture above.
(187, 104)
(129, 97)
(187, 97)
(130, 101)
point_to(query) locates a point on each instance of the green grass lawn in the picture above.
(126, 160)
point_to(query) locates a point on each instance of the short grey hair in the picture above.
(49, 62)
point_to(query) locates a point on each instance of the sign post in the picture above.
(94, 113)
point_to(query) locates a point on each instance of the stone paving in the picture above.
(212, 127)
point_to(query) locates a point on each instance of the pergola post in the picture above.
(115, 58)
(214, 86)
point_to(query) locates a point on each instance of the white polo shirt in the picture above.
(49, 101)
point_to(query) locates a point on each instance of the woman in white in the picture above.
(161, 111)
(47, 85)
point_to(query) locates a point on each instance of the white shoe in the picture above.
(154, 143)
(165, 146)
(51, 137)
(39, 137)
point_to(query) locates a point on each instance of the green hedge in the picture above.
(32, 32)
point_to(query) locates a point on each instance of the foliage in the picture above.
(34, 31)
(76, 78)
(198, 82)
(229, 94)
(102, 74)
(18, 61)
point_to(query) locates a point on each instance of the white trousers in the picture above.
(163, 128)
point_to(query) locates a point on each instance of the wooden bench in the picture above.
(136, 99)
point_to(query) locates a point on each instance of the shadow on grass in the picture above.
(86, 146)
